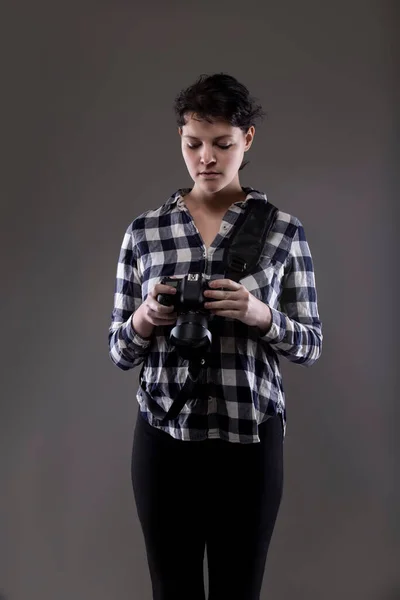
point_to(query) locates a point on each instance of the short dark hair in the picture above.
(219, 96)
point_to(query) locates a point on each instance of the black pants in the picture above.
(216, 494)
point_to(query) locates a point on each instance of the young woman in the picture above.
(212, 477)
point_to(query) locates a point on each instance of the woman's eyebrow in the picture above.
(216, 138)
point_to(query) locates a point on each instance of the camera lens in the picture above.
(191, 330)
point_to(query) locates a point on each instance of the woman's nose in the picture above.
(207, 156)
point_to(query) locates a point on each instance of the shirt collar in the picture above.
(176, 196)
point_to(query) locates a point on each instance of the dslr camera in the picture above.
(191, 328)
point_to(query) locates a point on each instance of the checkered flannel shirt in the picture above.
(242, 384)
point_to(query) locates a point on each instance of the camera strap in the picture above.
(241, 255)
(247, 242)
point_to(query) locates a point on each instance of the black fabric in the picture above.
(214, 495)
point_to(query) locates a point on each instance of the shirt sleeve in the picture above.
(296, 329)
(127, 348)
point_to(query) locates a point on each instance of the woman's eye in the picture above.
(192, 146)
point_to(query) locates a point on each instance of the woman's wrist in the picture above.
(140, 325)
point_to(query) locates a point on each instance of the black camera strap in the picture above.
(240, 257)
(195, 367)
(247, 242)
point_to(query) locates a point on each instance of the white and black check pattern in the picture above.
(242, 385)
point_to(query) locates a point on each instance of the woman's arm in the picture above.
(129, 335)
(296, 331)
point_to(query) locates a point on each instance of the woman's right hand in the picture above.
(155, 313)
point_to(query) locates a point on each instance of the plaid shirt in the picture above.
(242, 384)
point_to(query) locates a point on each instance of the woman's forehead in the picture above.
(215, 130)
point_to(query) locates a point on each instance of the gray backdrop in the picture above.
(90, 142)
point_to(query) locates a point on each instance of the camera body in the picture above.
(189, 293)
(191, 328)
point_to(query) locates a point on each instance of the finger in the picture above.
(164, 310)
(221, 295)
(225, 283)
(161, 288)
(163, 322)
(155, 314)
(232, 314)
(221, 305)
(166, 321)
(160, 308)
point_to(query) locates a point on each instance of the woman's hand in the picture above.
(156, 313)
(236, 302)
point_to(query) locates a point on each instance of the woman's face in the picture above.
(216, 146)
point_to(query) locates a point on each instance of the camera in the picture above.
(191, 328)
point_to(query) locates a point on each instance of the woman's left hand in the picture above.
(236, 302)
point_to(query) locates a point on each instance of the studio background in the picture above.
(90, 142)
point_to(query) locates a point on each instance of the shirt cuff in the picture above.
(277, 330)
(131, 337)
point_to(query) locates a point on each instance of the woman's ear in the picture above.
(249, 138)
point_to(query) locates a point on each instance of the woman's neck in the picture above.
(214, 203)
